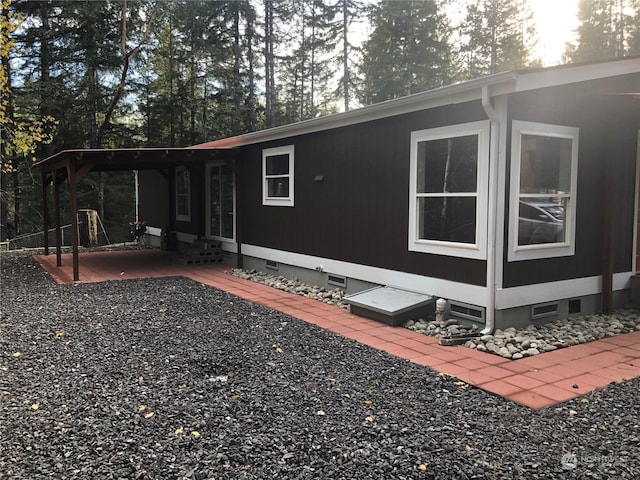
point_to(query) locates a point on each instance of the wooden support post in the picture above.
(56, 216)
(71, 174)
(45, 213)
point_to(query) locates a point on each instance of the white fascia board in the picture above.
(548, 292)
(462, 292)
(450, 95)
(567, 74)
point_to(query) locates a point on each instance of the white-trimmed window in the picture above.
(448, 190)
(277, 176)
(183, 194)
(544, 172)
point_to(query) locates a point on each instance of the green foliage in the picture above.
(608, 29)
(21, 129)
(495, 36)
(151, 73)
(407, 52)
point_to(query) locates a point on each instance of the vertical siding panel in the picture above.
(359, 212)
(608, 136)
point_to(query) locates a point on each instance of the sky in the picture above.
(555, 24)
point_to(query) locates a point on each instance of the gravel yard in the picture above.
(169, 379)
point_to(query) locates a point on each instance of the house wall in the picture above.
(607, 150)
(358, 213)
(154, 198)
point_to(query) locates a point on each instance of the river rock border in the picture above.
(331, 297)
(509, 343)
(515, 343)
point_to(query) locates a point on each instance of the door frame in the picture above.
(228, 243)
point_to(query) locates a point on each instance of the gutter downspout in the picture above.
(493, 202)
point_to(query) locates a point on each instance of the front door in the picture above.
(221, 203)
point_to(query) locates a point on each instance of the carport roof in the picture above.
(120, 159)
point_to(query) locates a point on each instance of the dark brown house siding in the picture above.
(607, 153)
(359, 212)
(154, 200)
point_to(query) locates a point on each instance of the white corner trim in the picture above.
(462, 292)
(546, 292)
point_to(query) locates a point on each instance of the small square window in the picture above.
(277, 173)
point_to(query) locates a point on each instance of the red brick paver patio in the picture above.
(536, 382)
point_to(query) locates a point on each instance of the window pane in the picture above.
(278, 164)
(545, 164)
(278, 187)
(448, 165)
(542, 221)
(448, 219)
(182, 206)
(222, 201)
(182, 181)
(226, 198)
(215, 201)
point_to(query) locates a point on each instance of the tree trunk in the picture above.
(252, 118)
(345, 54)
(236, 119)
(269, 77)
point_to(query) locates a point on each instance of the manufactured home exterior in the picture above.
(513, 197)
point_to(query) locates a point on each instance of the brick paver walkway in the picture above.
(536, 382)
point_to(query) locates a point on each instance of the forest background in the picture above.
(158, 73)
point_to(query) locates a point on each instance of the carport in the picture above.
(73, 165)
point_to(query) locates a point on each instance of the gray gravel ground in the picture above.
(169, 379)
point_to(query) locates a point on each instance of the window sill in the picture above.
(538, 252)
(449, 249)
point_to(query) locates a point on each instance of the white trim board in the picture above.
(462, 292)
(547, 292)
(471, 294)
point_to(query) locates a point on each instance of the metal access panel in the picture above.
(389, 305)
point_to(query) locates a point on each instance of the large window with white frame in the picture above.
(448, 190)
(544, 172)
(277, 176)
(183, 194)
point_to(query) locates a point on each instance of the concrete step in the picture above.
(206, 244)
(191, 260)
(198, 253)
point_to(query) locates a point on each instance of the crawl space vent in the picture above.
(389, 305)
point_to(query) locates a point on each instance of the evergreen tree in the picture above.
(22, 131)
(495, 34)
(407, 52)
(347, 12)
(608, 29)
(308, 68)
